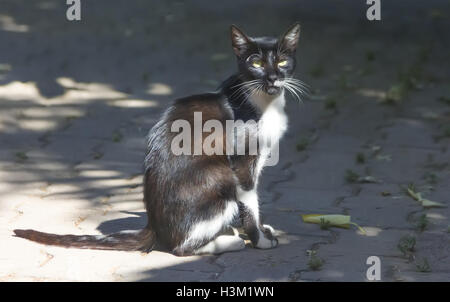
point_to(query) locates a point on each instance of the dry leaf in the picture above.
(424, 202)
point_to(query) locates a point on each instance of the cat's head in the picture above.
(268, 62)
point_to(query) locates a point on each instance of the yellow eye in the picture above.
(282, 63)
(257, 63)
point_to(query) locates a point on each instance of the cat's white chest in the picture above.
(271, 127)
(273, 123)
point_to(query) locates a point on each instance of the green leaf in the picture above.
(341, 221)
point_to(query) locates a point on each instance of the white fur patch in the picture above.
(271, 127)
(221, 244)
(273, 122)
(278, 83)
(263, 242)
(209, 228)
(250, 200)
(271, 229)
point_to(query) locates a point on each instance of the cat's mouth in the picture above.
(273, 88)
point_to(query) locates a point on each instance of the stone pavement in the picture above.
(77, 99)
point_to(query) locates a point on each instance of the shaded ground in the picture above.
(77, 99)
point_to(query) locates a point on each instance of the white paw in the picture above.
(238, 245)
(228, 244)
(222, 244)
(270, 228)
(266, 243)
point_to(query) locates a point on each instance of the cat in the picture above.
(192, 199)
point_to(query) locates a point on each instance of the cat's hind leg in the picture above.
(206, 236)
(222, 244)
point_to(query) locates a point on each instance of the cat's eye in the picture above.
(282, 63)
(257, 63)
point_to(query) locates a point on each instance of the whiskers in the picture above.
(296, 87)
(247, 88)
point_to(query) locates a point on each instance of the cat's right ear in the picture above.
(239, 40)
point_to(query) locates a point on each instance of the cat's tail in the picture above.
(141, 240)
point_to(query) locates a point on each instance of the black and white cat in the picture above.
(191, 199)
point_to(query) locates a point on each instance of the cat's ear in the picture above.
(289, 40)
(239, 40)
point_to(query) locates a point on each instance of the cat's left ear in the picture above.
(289, 40)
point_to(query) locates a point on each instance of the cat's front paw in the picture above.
(268, 229)
(267, 239)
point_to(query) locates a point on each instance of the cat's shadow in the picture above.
(136, 222)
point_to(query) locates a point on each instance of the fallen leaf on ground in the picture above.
(426, 203)
(368, 179)
(342, 221)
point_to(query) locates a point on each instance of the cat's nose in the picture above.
(272, 78)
